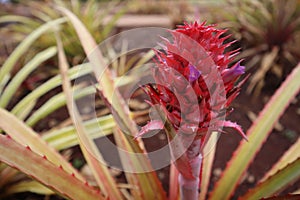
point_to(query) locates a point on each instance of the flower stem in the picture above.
(189, 187)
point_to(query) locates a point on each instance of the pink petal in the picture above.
(236, 127)
(150, 126)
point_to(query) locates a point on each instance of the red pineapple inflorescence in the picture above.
(194, 83)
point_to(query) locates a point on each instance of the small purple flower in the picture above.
(232, 73)
(194, 73)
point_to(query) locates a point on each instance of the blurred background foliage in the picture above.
(92, 13)
(268, 33)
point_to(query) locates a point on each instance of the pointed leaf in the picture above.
(55, 103)
(26, 110)
(73, 73)
(59, 101)
(23, 47)
(17, 80)
(276, 183)
(108, 87)
(257, 134)
(150, 126)
(17, 18)
(147, 185)
(236, 127)
(28, 186)
(32, 164)
(102, 73)
(207, 164)
(147, 182)
(66, 137)
(88, 147)
(26, 136)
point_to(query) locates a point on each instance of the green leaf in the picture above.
(257, 134)
(275, 183)
(207, 163)
(55, 103)
(88, 147)
(17, 18)
(32, 164)
(17, 80)
(109, 89)
(66, 137)
(147, 184)
(59, 101)
(27, 186)
(73, 73)
(102, 74)
(135, 161)
(23, 47)
(26, 109)
(26, 136)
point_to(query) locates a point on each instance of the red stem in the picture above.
(189, 187)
